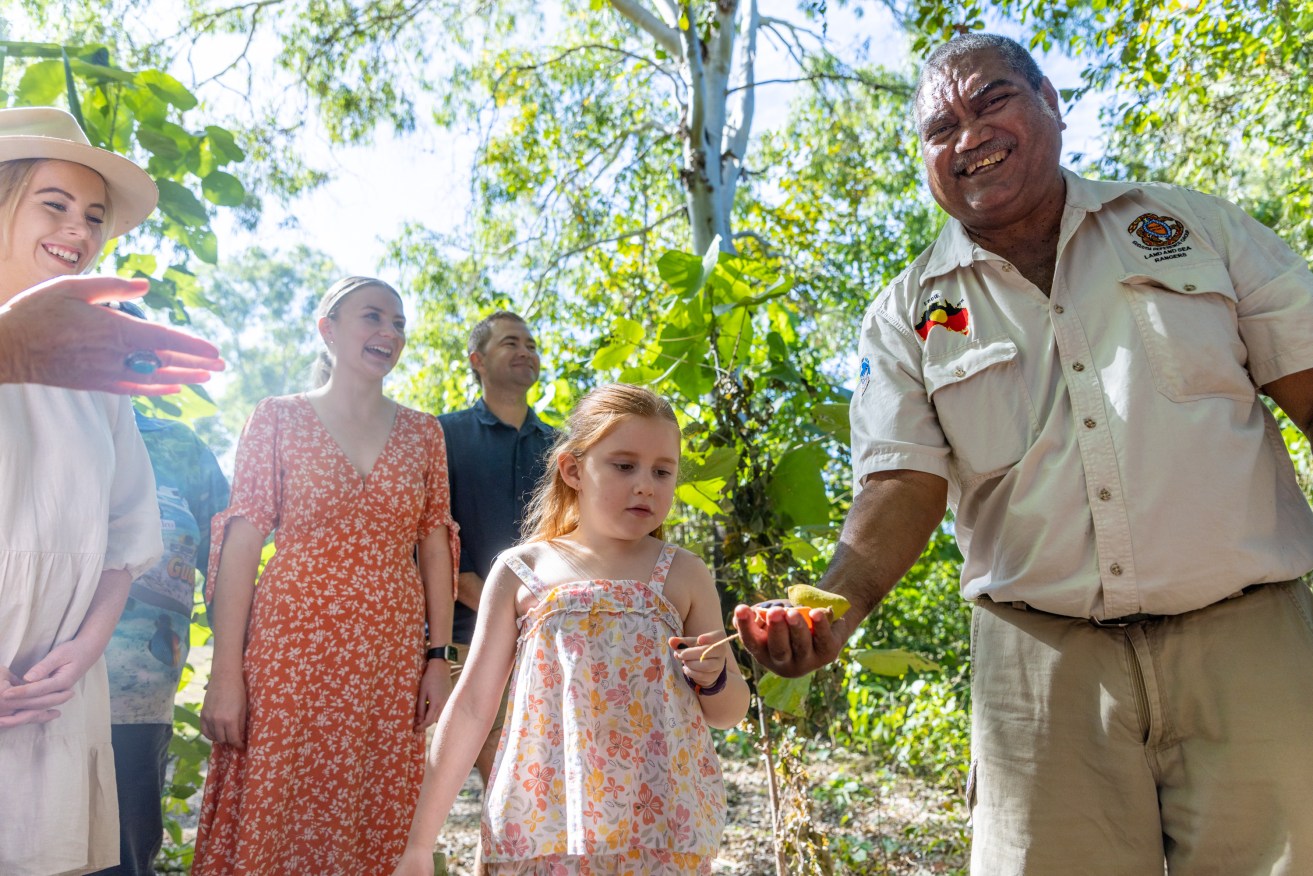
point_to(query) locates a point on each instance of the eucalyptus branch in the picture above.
(241, 56)
(829, 77)
(774, 23)
(741, 126)
(722, 46)
(788, 42)
(672, 11)
(766, 248)
(899, 15)
(562, 182)
(624, 235)
(646, 20)
(600, 47)
(696, 75)
(201, 22)
(351, 28)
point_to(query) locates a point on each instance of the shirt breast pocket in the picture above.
(1186, 315)
(983, 405)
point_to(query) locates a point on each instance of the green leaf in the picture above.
(203, 242)
(158, 143)
(699, 495)
(683, 272)
(193, 404)
(620, 344)
(894, 662)
(797, 488)
(721, 462)
(186, 717)
(136, 265)
(42, 84)
(803, 550)
(166, 88)
(180, 205)
(188, 287)
(832, 418)
(223, 189)
(785, 694)
(223, 145)
(686, 273)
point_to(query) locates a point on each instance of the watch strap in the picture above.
(442, 652)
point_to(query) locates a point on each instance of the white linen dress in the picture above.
(77, 495)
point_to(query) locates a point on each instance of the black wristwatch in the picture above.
(442, 652)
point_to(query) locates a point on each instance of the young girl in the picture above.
(320, 688)
(606, 763)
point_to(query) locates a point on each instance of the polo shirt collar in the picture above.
(488, 418)
(954, 249)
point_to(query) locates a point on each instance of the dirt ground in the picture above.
(874, 823)
(908, 831)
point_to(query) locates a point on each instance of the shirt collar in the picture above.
(954, 249)
(488, 418)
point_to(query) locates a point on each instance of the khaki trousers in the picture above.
(1185, 741)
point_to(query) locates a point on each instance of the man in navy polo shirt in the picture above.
(496, 453)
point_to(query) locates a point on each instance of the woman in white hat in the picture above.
(50, 333)
(78, 516)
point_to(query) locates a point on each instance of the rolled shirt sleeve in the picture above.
(894, 425)
(1274, 289)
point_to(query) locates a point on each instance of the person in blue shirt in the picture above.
(149, 646)
(496, 454)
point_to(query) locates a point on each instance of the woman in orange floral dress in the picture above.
(320, 690)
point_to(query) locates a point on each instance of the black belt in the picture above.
(1128, 620)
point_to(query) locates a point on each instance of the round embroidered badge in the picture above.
(1155, 232)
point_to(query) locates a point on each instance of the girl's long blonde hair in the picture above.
(554, 509)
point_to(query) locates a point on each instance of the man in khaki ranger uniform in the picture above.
(1076, 367)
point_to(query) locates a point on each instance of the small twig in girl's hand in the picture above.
(714, 645)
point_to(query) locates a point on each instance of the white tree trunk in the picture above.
(715, 134)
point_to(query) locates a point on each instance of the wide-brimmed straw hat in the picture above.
(47, 132)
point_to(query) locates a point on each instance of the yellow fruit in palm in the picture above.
(807, 596)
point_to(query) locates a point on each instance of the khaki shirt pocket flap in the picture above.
(1197, 278)
(962, 364)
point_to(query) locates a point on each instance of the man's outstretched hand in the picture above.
(781, 641)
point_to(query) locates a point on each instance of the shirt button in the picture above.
(1105, 494)
(1057, 308)
(1115, 568)
(959, 372)
(1007, 267)
(1190, 287)
(1090, 423)
(1078, 367)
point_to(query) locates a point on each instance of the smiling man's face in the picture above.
(991, 143)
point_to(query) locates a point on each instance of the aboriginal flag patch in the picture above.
(939, 312)
(1152, 231)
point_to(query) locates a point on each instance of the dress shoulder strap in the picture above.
(525, 574)
(658, 580)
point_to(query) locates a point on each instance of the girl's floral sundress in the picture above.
(605, 763)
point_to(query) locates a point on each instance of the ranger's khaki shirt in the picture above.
(1106, 449)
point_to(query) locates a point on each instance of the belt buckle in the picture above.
(1118, 623)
